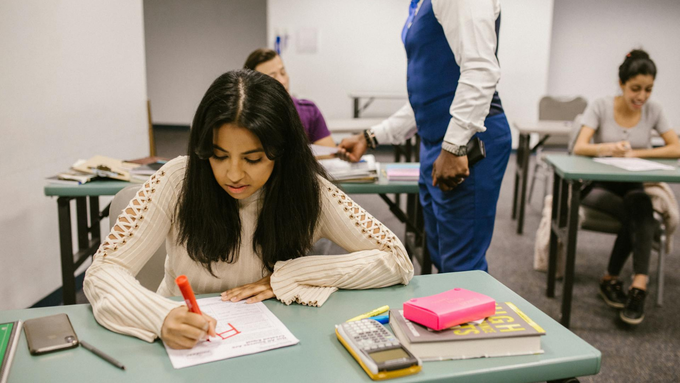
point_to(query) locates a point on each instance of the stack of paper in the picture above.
(71, 177)
(633, 164)
(106, 167)
(323, 152)
(362, 171)
(403, 172)
(148, 169)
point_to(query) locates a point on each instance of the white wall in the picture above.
(72, 85)
(190, 43)
(591, 38)
(360, 49)
(524, 53)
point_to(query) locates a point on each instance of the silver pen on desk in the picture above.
(101, 354)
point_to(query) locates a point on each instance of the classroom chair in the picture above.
(553, 109)
(151, 275)
(598, 221)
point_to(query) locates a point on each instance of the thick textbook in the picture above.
(508, 332)
(9, 339)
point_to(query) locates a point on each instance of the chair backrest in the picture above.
(560, 109)
(151, 275)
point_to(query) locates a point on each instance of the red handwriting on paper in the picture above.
(229, 333)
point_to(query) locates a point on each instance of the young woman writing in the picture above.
(238, 216)
(622, 126)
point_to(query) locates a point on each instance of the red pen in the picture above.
(188, 294)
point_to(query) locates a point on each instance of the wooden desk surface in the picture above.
(319, 357)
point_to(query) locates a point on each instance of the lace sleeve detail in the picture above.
(130, 218)
(376, 256)
(119, 302)
(370, 227)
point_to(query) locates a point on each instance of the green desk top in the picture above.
(111, 187)
(584, 168)
(319, 357)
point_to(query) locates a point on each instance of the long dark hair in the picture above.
(208, 218)
(636, 62)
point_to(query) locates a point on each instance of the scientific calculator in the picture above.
(378, 352)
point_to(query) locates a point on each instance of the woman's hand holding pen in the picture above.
(254, 292)
(183, 329)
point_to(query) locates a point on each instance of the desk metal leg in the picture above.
(554, 238)
(355, 110)
(66, 250)
(523, 195)
(518, 166)
(81, 222)
(88, 240)
(95, 217)
(572, 227)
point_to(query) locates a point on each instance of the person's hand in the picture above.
(620, 149)
(254, 292)
(352, 148)
(449, 170)
(182, 329)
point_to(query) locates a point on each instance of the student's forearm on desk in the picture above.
(592, 150)
(121, 304)
(668, 151)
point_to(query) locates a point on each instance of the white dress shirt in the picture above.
(469, 26)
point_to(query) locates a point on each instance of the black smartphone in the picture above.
(475, 151)
(50, 333)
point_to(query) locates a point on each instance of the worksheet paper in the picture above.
(633, 164)
(242, 329)
(319, 150)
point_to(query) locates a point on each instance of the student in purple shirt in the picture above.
(268, 62)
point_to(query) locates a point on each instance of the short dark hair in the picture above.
(258, 57)
(208, 218)
(637, 62)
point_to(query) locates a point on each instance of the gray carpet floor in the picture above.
(649, 352)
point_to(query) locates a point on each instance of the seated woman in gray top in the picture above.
(622, 126)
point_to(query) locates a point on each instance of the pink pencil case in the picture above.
(449, 308)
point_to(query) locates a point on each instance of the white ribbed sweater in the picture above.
(376, 257)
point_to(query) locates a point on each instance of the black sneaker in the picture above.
(612, 293)
(634, 312)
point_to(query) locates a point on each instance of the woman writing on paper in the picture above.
(268, 62)
(621, 126)
(238, 215)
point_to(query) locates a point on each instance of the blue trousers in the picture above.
(459, 223)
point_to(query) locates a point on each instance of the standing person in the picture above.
(452, 73)
(622, 126)
(238, 215)
(268, 62)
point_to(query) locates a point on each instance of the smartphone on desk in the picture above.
(50, 333)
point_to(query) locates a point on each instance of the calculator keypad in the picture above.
(369, 335)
